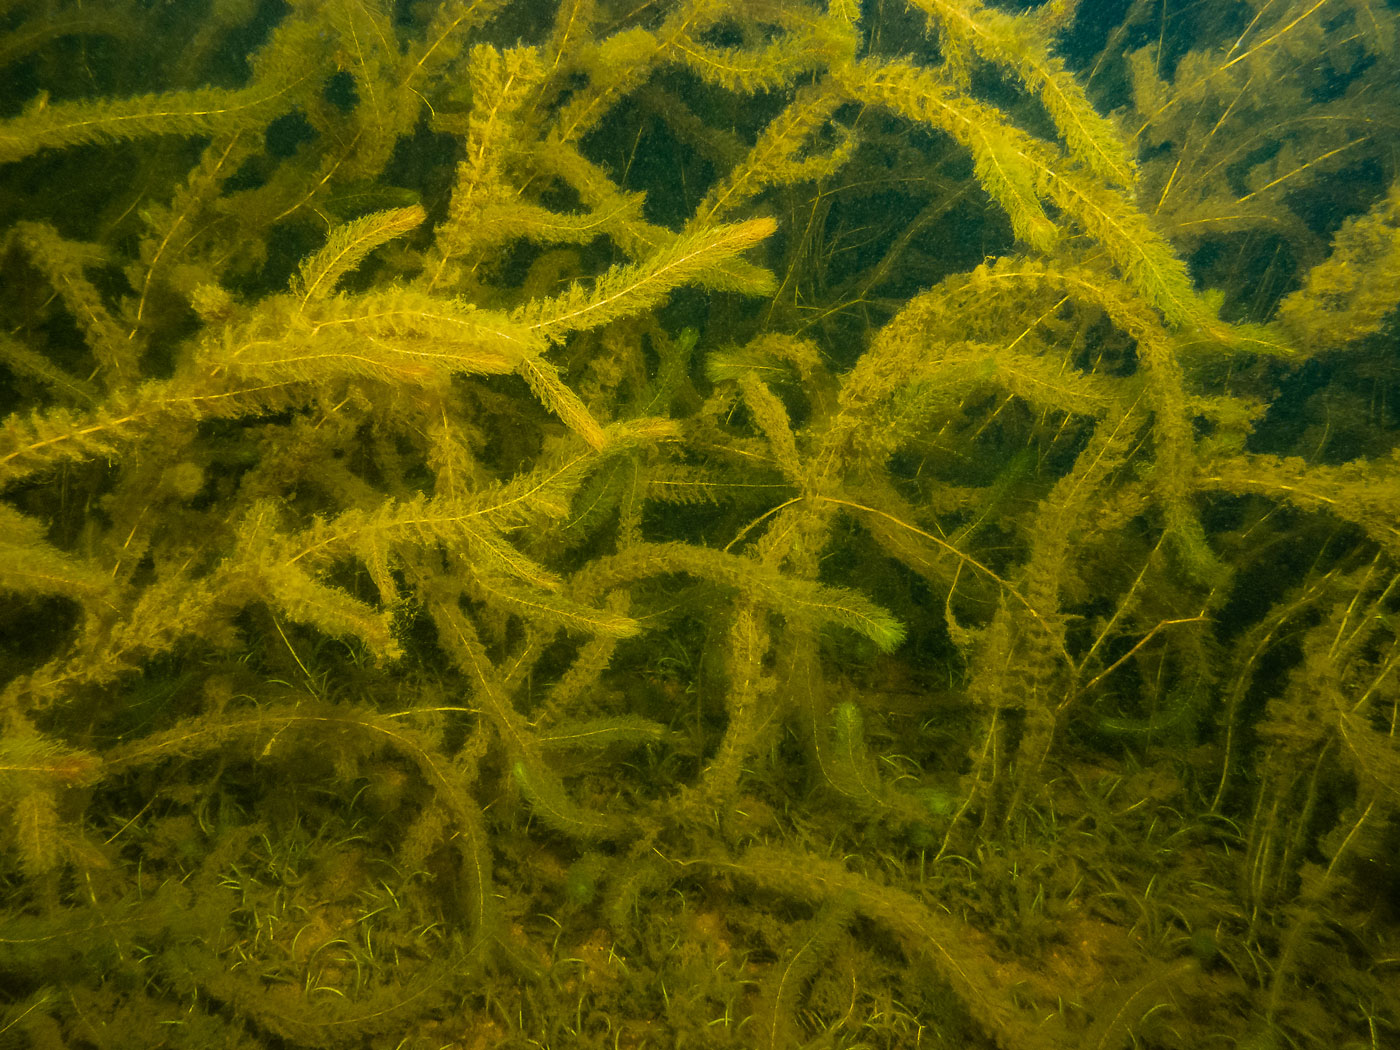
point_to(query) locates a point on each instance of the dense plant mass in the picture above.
(699, 523)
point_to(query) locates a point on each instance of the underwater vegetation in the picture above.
(699, 523)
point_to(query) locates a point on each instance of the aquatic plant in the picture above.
(706, 523)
